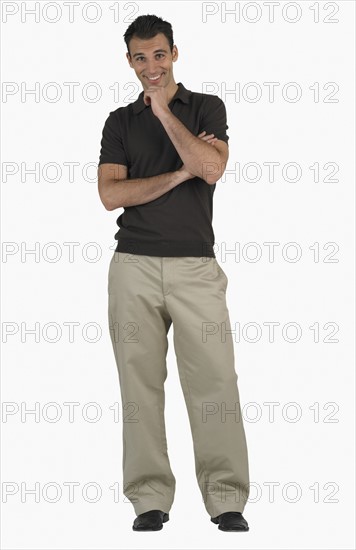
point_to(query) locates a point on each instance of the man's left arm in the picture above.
(199, 157)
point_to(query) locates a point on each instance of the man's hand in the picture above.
(157, 97)
(209, 139)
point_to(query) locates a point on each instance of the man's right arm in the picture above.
(116, 190)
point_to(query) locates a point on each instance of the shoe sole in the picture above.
(234, 530)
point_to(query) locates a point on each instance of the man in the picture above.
(160, 159)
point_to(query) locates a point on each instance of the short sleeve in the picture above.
(112, 149)
(214, 118)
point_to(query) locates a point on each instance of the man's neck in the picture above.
(173, 93)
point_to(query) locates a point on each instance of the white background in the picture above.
(214, 54)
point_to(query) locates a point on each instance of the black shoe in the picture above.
(150, 521)
(231, 521)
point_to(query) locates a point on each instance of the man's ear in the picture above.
(174, 53)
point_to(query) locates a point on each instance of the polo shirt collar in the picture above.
(182, 93)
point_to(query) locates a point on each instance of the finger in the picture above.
(204, 132)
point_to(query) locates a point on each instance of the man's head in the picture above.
(151, 51)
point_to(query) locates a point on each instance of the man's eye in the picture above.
(158, 55)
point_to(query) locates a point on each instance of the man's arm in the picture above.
(116, 190)
(202, 160)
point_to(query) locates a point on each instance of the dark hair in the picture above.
(147, 26)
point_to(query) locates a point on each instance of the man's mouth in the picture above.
(155, 78)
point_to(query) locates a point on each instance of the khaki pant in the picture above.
(146, 295)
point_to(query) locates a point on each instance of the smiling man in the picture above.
(160, 159)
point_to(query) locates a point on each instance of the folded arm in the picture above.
(202, 160)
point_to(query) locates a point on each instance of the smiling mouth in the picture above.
(155, 79)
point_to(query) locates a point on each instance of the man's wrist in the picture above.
(178, 177)
(164, 114)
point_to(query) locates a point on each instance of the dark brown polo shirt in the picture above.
(179, 222)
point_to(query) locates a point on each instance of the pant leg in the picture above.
(196, 301)
(139, 323)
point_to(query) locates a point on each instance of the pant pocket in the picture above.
(222, 273)
(110, 272)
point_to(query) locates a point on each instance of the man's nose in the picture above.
(152, 68)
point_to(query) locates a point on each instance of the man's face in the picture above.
(152, 58)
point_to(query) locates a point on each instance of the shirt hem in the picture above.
(166, 248)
